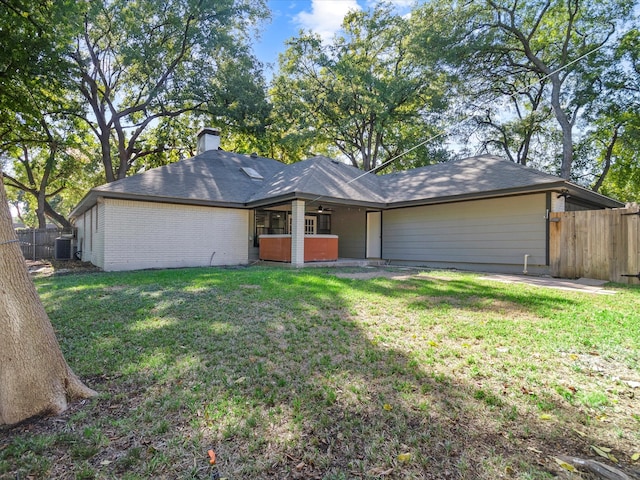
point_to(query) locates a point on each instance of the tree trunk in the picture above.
(34, 376)
(56, 217)
(566, 126)
(607, 159)
(42, 218)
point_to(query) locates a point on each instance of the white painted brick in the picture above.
(138, 235)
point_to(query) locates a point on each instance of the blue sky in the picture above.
(321, 16)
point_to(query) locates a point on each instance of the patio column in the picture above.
(297, 232)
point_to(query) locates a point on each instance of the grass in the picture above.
(319, 374)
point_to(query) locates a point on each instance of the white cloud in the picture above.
(325, 17)
(395, 3)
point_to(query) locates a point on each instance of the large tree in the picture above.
(613, 139)
(34, 376)
(558, 43)
(34, 97)
(137, 63)
(48, 155)
(365, 94)
(34, 36)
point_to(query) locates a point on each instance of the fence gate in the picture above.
(600, 244)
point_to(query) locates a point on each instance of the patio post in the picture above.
(297, 232)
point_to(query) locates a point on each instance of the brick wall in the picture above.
(140, 235)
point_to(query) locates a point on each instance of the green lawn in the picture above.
(307, 374)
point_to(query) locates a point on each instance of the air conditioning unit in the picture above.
(63, 248)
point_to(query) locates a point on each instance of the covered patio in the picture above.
(300, 232)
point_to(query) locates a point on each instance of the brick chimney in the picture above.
(208, 139)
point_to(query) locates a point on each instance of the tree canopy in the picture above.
(539, 60)
(125, 73)
(136, 63)
(366, 95)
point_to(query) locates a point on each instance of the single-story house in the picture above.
(223, 208)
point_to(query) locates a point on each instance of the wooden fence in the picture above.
(602, 244)
(38, 243)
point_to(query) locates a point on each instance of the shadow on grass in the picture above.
(295, 374)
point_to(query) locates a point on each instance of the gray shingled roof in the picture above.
(321, 177)
(216, 178)
(477, 177)
(467, 176)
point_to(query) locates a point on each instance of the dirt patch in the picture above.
(580, 285)
(46, 268)
(587, 285)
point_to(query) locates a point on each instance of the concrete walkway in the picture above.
(587, 285)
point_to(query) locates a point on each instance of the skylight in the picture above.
(251, 173)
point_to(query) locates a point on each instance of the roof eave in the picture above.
(85, 204)
(592, 197)
(508, 192)
(92, 197)
(312, 197)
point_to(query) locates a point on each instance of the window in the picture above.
(324, 224)
(310, 224)
(268, 223)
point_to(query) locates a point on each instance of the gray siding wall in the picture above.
(493, 233)
(350, 223)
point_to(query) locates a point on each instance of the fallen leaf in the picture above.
(240, 380)
(526, 391)
(509, 470)
(635, 457)
(599, 451)
(612, 458)
(387, 407)
(380, 471)
(545, 416)
(105, 462)
(300, 466)
(534, 449)
(404, 457)
(432, 343)
(582, 434)
(565, 465)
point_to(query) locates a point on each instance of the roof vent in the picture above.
(208, 139)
